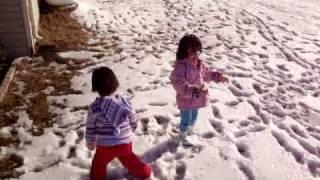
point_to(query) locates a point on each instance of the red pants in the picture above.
(105, 154)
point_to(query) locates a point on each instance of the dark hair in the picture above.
(188, 41)
(104, 81)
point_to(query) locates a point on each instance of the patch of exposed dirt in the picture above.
(60, 31)
(9, 163)
(36, 75)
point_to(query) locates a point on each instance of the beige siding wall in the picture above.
(13, 32)
(34, 17)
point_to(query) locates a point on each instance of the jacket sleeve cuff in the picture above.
(216, 76)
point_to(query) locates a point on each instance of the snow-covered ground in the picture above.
(263, 125)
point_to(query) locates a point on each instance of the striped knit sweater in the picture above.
(111, 121)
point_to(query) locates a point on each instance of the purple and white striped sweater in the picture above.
(111, 121)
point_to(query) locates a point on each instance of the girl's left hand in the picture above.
(204, 87)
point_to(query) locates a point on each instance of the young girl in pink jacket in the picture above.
(188, 79)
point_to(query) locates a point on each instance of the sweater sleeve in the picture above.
(131, 115)
(133, 121)
(91, 133)
(179, 82)
(210, 75)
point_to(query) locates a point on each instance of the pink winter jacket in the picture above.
(186, 77)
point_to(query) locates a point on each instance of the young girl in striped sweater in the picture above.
(109, 128)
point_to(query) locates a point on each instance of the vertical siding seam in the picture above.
(27, 25)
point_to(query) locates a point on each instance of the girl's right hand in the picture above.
(223, 79)
(219, 77)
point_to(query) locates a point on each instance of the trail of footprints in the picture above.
(159, 37)
(246, 26)
(304, 147)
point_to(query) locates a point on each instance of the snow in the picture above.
(312, 102)
(219, 168)
(63, 171)
(272, 162)
(257, 127)
(24, 120)
(314, 118)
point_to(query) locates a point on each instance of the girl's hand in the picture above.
(223, 79)
(91, 146)
(204, 87)
(195, 92)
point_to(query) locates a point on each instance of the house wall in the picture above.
(15, 29)
(34, 13)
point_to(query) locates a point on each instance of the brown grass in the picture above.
(37, 77)
(60, 31)
(9, 102)
(6, 141)
(6, 169)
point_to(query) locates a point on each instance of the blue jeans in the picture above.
(188, 119)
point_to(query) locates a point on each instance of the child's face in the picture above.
(193, 54)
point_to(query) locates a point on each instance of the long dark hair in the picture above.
(104, 81)
(188, 41)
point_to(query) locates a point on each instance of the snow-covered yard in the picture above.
(263, 125)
